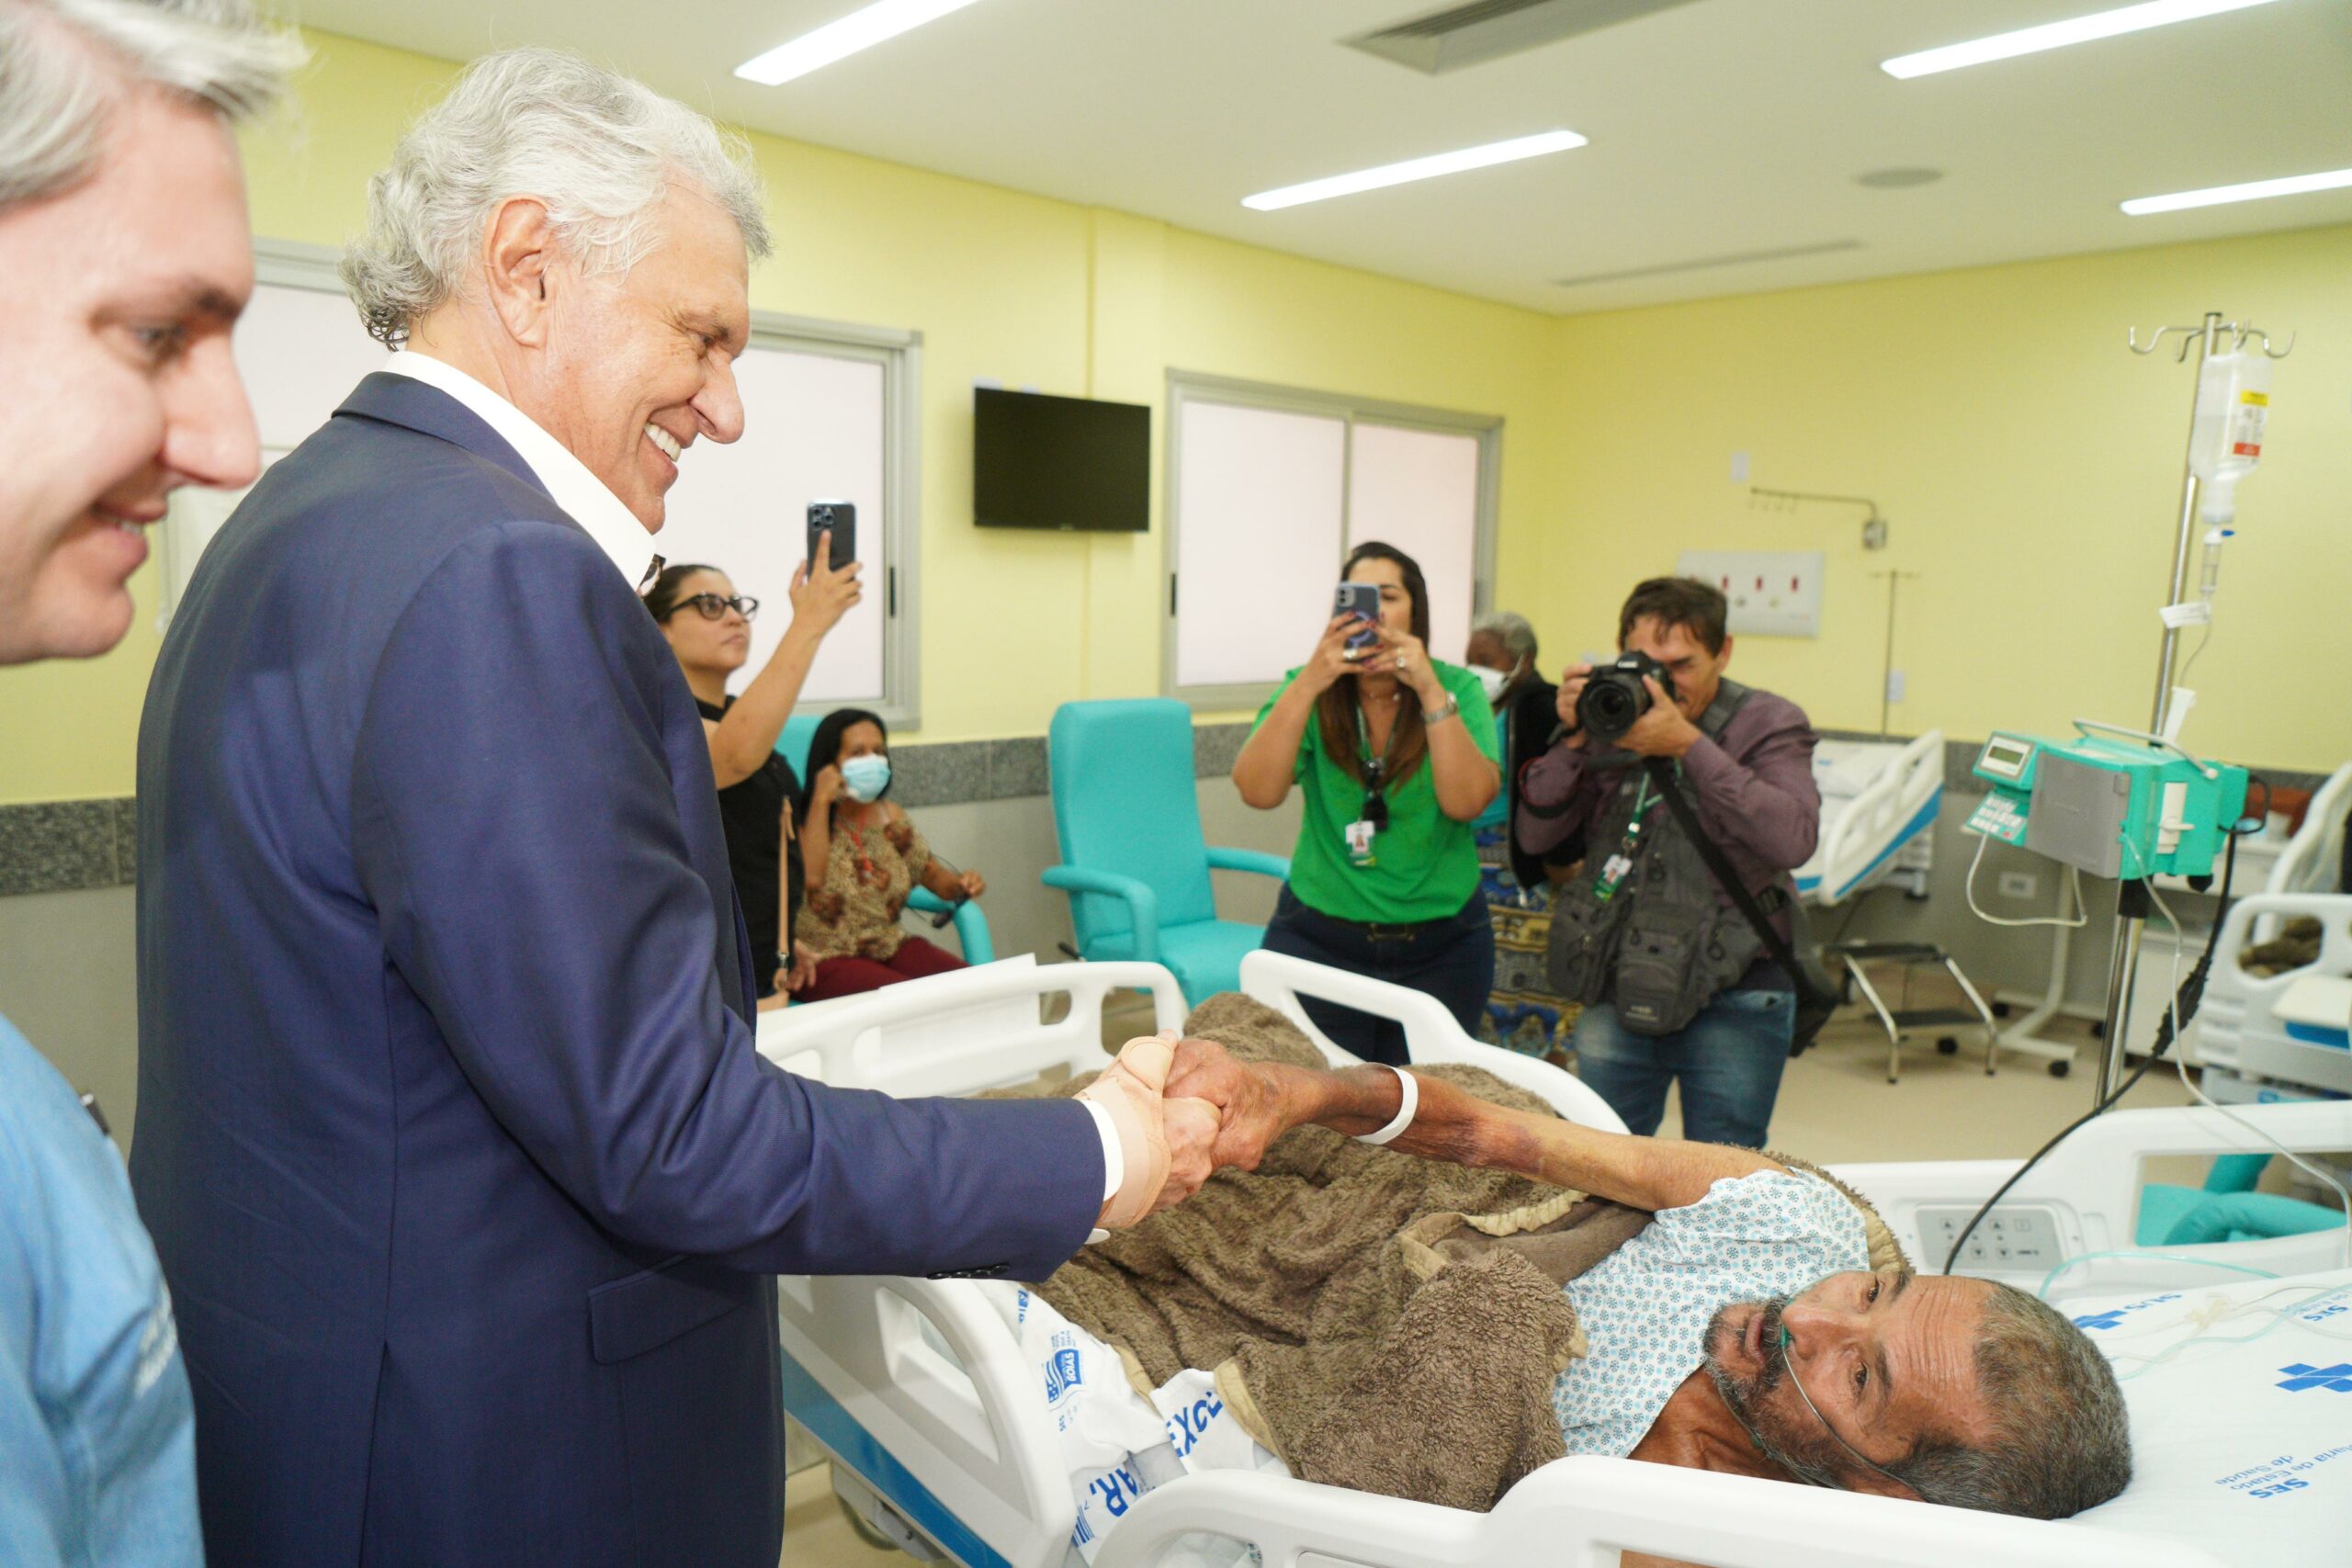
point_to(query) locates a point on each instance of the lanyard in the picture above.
(1375, 768)
(1614, 869)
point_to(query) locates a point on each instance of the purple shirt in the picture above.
(1756, 794)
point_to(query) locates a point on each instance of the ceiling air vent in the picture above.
(1488, 29)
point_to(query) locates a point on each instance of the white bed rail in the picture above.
(2312, 858)
(1579, 1513)
(2090, 1185)
(961, 1033)
(1891, 800)
(1432, 1036)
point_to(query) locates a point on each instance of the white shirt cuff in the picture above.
(1115, 1161)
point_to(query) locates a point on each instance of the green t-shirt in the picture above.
(1425, 863)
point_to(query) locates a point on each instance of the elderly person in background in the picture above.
(463, 1170)
(1523, 1012)
(1751, 1326)
(124, 242)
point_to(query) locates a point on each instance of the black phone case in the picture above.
(843, 522)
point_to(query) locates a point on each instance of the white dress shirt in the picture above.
(588, 502)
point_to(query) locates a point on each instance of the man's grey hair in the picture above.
(64, 64)
(1518, 638)
(598, 150)
(2061, 1440)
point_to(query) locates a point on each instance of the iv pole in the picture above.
(2131, 896)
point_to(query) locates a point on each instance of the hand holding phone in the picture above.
(1360, 600)
(838, 518)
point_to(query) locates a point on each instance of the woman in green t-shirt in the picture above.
(1397, 753)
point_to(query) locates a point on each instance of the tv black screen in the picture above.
(1047, 462)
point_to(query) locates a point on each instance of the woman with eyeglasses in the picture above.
(864, 857)
(709, 628)
(1396, 753)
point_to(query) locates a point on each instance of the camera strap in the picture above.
(1814, 1005)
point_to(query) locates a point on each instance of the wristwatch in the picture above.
(1453, 709)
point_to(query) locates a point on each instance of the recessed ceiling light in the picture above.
(2217, 196)
(2058, 35)
(1899, 178)
(1416, 169)
(878, 23)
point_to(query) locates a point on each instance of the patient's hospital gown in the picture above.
(1645, 1310)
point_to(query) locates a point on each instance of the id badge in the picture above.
(1613, 871)
(1358, 835)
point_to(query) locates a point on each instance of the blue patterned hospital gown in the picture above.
(1646, 1309)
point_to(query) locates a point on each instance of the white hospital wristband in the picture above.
(1412, 1102)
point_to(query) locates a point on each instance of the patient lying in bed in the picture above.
(1723, 1309)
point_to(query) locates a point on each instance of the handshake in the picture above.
(1184, 1107)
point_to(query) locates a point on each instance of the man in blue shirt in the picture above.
(124, 239)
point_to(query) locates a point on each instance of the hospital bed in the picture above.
(938, 1428)
(1879, 800)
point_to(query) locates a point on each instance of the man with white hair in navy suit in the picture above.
(456, 1149)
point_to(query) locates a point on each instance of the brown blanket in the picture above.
(1381, 1322)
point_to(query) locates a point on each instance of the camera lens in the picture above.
(1611, 704)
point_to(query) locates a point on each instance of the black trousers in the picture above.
(1452, 959)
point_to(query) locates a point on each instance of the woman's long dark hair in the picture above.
(1336, 709)
(663, 598)
(825, 749)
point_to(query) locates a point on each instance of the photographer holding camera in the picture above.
(1675, 981)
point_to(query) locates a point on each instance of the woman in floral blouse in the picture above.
(864, 857)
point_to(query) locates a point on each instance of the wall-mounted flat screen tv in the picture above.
(1070, 463)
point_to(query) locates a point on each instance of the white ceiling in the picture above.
(1720, 127)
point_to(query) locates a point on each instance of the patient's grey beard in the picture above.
(1742, 1399)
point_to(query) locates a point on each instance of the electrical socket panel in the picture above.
(1771, 593)
(2014, 1238)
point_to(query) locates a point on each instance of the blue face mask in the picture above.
(864, 778)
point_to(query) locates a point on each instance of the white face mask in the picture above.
(1492, 681)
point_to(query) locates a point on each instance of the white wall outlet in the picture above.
(1739, 468)
(2019, 884)
(1771, 593)
(1894, 685)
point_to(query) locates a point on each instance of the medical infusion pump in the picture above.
(2120, 808)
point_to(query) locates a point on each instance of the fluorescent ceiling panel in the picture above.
(2058, 35)
(878, 23)
(1416, 169)
(2254, 190)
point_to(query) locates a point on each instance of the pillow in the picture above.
(2241, 1402)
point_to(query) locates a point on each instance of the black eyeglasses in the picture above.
(712, 607)
(1375, 805)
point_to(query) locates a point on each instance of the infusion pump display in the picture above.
(2004, 755)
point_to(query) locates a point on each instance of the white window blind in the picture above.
(1263, 495)
(1273, 487)
(1417, 490)
(829, 414)
(814, 428)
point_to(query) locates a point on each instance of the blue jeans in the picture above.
(1729, 1059)
(1452, 959)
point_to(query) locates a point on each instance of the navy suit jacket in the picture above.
(466, 1180)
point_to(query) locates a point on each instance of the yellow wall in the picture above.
(2028, 463)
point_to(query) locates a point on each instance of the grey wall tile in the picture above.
(57, 846)
(941, 773)
(1017, 767)
(1215, 746)
(126, 840)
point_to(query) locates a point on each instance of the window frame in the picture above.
(1187, 387)
(287, 263)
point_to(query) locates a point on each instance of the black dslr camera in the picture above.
(1614, 697)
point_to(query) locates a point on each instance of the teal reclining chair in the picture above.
(1127, 813)
(2227, 1208)
(971, 926)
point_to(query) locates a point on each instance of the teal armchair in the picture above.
(1133, 862)
(971, 926)
(2227, 1208)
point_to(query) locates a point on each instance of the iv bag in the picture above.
(2226, 436)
